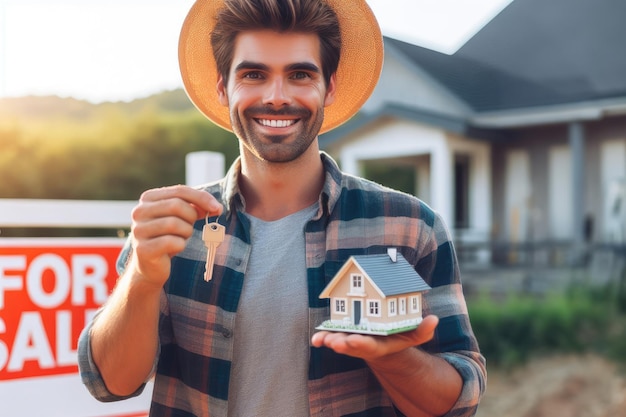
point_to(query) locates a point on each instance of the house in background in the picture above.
(519, 137)
(375, 294)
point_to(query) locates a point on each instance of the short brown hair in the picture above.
(304, 16)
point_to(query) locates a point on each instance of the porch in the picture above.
(501, 268)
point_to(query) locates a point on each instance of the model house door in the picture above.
(356, 312)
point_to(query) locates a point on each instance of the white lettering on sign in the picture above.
(34, 281)
(87, 271)
(31, 342)
(10, 282)
(47, 296)
(4, 350)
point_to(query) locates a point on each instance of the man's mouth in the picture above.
(276, 123)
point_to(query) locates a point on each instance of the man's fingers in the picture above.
(371, 347)
(164, 226)
(161, 224)
(203, 202)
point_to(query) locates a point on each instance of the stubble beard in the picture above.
(276, 148)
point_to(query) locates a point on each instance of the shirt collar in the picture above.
(233, 199)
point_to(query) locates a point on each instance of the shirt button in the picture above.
(227, 333)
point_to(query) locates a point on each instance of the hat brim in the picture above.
(359, 68)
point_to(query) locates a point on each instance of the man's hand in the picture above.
(418, 383)
(161, 224)
(124, 337)
(371, 348)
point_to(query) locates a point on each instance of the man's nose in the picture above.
(277, 93)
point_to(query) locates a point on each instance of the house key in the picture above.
(212, 235)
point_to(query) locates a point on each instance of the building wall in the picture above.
(549, 203)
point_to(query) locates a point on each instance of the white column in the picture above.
(349, 161)
(423, 182)
(441, 183)
(480, 191)
(202, 167)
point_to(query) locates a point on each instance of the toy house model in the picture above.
(375, 294)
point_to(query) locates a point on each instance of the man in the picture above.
(279, 72)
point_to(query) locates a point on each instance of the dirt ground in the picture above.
(572, 386)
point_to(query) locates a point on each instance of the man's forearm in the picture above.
(418, 383)
(124, 337)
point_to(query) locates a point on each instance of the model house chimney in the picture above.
(393, 254)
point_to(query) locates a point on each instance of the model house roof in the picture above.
(391, 278)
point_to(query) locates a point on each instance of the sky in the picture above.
(111, 50)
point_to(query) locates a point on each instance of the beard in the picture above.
(277, 148)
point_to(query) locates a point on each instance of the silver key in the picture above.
(212, 235)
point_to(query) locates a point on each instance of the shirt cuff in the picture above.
(90, 374)
(472, 368)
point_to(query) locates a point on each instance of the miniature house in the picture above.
(375, 294)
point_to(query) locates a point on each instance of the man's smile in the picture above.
(276, 123)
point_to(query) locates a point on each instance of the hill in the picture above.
(46, 108)
(55, 147)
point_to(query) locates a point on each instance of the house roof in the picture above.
(536, 62)
(536, 53)
(449, 123)
(392, 278)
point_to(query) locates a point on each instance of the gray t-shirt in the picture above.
(270, 361)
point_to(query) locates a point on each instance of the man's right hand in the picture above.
(161, 224)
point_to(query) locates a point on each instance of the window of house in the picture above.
(402, 302)
(415, 304)
(392, 306)
(340, 305)
(357, 283)
(373, 308)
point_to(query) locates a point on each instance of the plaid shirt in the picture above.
(355, 217)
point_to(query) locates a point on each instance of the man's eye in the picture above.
(300, 75)
(254, 75)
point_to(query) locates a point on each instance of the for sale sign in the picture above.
(49, 290)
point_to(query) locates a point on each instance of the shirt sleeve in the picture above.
(90, 374)
(454, 339)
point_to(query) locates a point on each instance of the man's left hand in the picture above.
(371, 348)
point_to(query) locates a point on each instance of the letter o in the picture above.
(34, 280)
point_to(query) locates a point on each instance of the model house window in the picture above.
(393, 307)
(357, 283)
(402, 306)
(374, 308)
(415, 304)
(340, 305)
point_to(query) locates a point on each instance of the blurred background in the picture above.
(506, 116)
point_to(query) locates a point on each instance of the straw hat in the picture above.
(359, 68)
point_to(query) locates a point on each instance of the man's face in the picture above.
(276, 93)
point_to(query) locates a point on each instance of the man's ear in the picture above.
(330, 91)
(221, 91)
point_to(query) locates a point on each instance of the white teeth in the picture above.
(276, 123)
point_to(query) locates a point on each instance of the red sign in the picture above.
(48, 292)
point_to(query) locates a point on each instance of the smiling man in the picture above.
(276, 99)
(277, 73)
